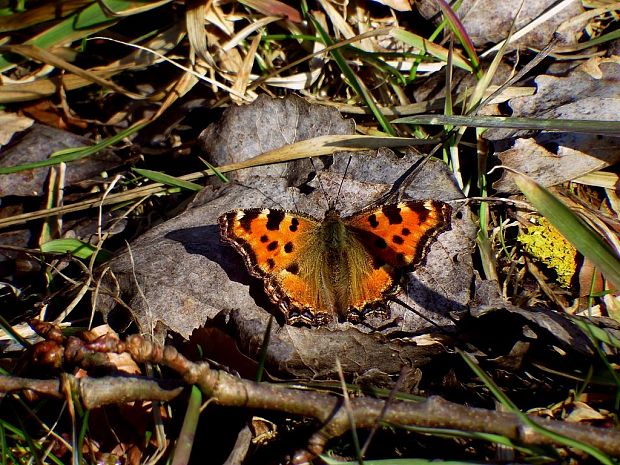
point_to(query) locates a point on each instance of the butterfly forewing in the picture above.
(400, 234)
(267, 238)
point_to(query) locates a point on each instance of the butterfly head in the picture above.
(332, 214)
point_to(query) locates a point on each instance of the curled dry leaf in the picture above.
(188, 277)
(38, 144)
(489, 21)
(11, 124)
(590, 92)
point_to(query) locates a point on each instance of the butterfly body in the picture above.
(335, 268)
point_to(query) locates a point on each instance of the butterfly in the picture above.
(318, 271)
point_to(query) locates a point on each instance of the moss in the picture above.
(545, 244)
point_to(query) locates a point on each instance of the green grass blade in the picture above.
(512, 122)
(262, 355)
(75, 247)
(583, 237)
(489, 437)
(81, 437)
(332, 461)
(8, 329)
(187, 435)
(3, 445)
(215, 171)
(93, 18)
(69, 155)
(457, 27)
(355, 83)
(556, 437)
(614, 35)
(76, 26)
(376, 60)
(167, 179)
(597, 333)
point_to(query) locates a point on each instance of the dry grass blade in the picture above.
(531, 26)
(37, 53)
(431, 48)
(326, 145)
(194, 20)
(44, 87)
(243, 75)
(174, 63)
(318, 146)
(40, 14)
(95, 17)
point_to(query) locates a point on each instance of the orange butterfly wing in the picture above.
(397, 237)
(313, 282)
(270, 242)
(400, 234)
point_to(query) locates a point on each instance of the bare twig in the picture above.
(228, 390)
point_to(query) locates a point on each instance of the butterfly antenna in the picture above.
(254, 188)
(342, 181)
(318, 178)
(294, 202)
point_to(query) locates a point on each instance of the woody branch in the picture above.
(228, 390)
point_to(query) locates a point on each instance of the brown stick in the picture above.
(228, 390)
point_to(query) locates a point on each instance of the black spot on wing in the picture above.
(274, 218)
(418, 234)
(293, 268)
(380, 243)
(294, 225)
(422, 213)
(288, 247)
(273, 245)
(372, 220)
(271, 263)
(392, 212)
(264, 238)
(248, 217)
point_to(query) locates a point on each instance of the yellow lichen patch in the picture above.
(545, 244)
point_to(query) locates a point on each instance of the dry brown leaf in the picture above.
(582, 412)
(205, 281)
(591, 92)
(11, 124)
(38, 144)
(489, 21)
